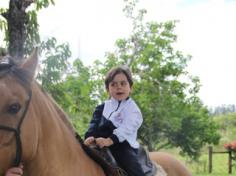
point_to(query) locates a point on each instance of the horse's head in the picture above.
(15, 96)
(34, 129)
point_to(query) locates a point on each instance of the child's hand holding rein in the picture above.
(15, 171)
(100, 142)
(103, 142)
(89, 141)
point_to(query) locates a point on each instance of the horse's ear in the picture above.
(31, 63)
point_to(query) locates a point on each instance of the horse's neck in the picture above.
(58, 152)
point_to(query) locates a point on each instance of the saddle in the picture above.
(147, 165)
(105, 159)
(108, 163)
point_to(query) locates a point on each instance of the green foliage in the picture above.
(197, 129)
(40, 4)
(32, 34)
(54, 67)
(70, 85)
(78, 87)
(32, 37)
(3, 27)
(227, 124)
(98, 72)
(32, 27)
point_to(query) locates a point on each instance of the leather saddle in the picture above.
(108, 163)
(105, 159)
(148, 166)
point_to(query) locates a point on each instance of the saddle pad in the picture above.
(148, 167)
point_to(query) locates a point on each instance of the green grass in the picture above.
(219, 166)
(200, 168)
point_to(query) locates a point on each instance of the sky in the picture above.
(206, 31)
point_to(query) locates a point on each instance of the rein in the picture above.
(6, 67)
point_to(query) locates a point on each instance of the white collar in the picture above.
(112, 105)
(116, 102)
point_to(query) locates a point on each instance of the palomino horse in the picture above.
(35, 131)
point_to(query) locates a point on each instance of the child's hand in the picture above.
(89, 141)
(104, 142)
(15, 171)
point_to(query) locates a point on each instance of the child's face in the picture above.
(119, 87)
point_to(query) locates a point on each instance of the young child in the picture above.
(15, 171)
(115, 123)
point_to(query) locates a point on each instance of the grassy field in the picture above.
(219, 166)
(200, 168)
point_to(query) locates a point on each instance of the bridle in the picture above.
(16, 132)
(5, 68)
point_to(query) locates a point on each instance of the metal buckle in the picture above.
(5, 60)
(5, 64)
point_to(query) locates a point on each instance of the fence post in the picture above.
(230, 162)
(210, 151)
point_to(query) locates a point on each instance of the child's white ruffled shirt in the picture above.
(127, 119)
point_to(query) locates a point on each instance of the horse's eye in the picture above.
(14, 108)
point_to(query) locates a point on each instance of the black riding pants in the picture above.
(127, 158)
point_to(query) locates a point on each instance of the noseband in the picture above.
(6, 67)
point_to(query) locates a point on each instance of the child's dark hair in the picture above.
(116, 70)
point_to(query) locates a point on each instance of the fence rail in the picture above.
(210, 156)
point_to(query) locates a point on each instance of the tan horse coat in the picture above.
(48, 142)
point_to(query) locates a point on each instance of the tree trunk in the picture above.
(17, 21)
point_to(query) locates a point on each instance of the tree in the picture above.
(223, 109)
(68, 84)
(173, 114)
(79, 88)
(21, 31)
(54, 67)
(21, 27)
